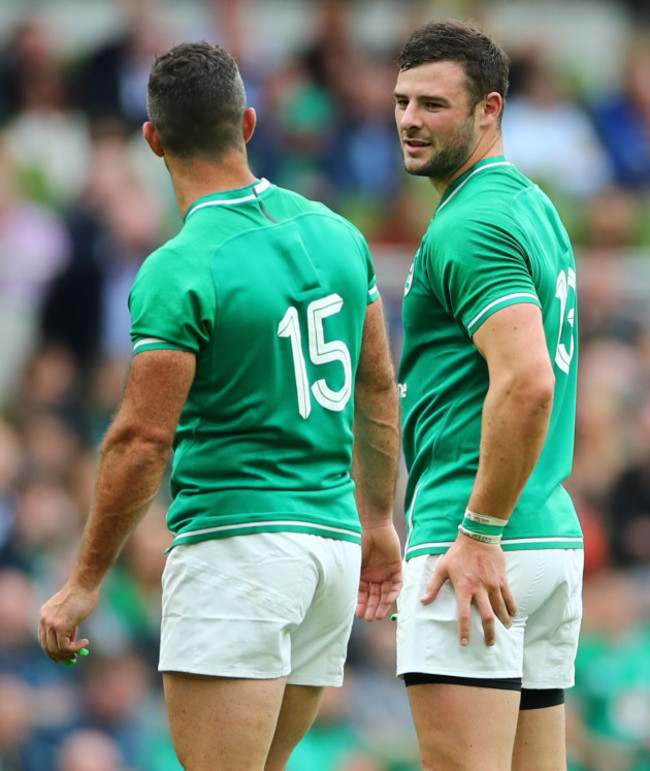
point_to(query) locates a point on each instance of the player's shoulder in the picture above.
(471, 231)
(482, 203)
(300, 204)
(167, 253)
(175, 260)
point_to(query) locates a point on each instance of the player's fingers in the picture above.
(510, 601)
(65, 640)
(374, 596)
(487, 617)
(362, 599)
(433, 587)
(60, 645)
(41, 635)
(464, 618)
(388, 595)
(51, 646)
(499, 607)
(391, 592)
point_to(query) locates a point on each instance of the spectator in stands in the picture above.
(87, 749)
(20, 749)
(33, 248)
(41, 118)
(623, 119)
(546, 132)
(612, 693)
(629, 511)
(112, 81)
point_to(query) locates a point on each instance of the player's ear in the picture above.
(152, 139)
(492, 107)
(250, 120)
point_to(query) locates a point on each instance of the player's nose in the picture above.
(409, 118)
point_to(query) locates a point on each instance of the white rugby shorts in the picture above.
(541, 645)
(264, 605)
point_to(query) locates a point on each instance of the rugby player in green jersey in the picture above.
(261, 356)
(490, 611)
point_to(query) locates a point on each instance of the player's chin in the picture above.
(416, 167)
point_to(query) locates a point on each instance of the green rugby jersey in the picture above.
(495, 240)
(269, 290)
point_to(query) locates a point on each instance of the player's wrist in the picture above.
(376, 523)
(482, 528)
(83, 580)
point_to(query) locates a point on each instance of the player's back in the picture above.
(272, 291)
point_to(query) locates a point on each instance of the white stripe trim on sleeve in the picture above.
(148, 341)
(491, 305)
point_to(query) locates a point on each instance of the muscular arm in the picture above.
(376, 424)
(517, 407)
(375, 458)
(132, 464)
(515, 421)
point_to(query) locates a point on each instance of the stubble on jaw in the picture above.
(446, 162)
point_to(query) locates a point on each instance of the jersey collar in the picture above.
(457, 184)
(229, 197)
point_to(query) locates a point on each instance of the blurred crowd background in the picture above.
(82, 202)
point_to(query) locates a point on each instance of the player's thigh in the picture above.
(319, 643)
(464, 728)
(464, 699)
(540, 742)
(428, 644)
(300, 706)
(231, 605)
(222, 722)
(550, 646)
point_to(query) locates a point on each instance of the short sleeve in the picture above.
(476, 270)
(373, 290)
(172, 304)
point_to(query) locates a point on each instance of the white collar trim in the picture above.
(258, 188)
(467, 179)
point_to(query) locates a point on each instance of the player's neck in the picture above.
(488, 147)
(196, 178)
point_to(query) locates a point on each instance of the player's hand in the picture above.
(381, 571)
(60, 617)
(477, 572)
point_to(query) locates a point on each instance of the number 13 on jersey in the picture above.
(320, 352)
(565, 291)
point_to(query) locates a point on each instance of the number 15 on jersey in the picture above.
(320, 352)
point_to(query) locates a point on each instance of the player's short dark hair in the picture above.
(196, 100)
(485, 63)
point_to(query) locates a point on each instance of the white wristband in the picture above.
(484, 519)
(482, 537)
